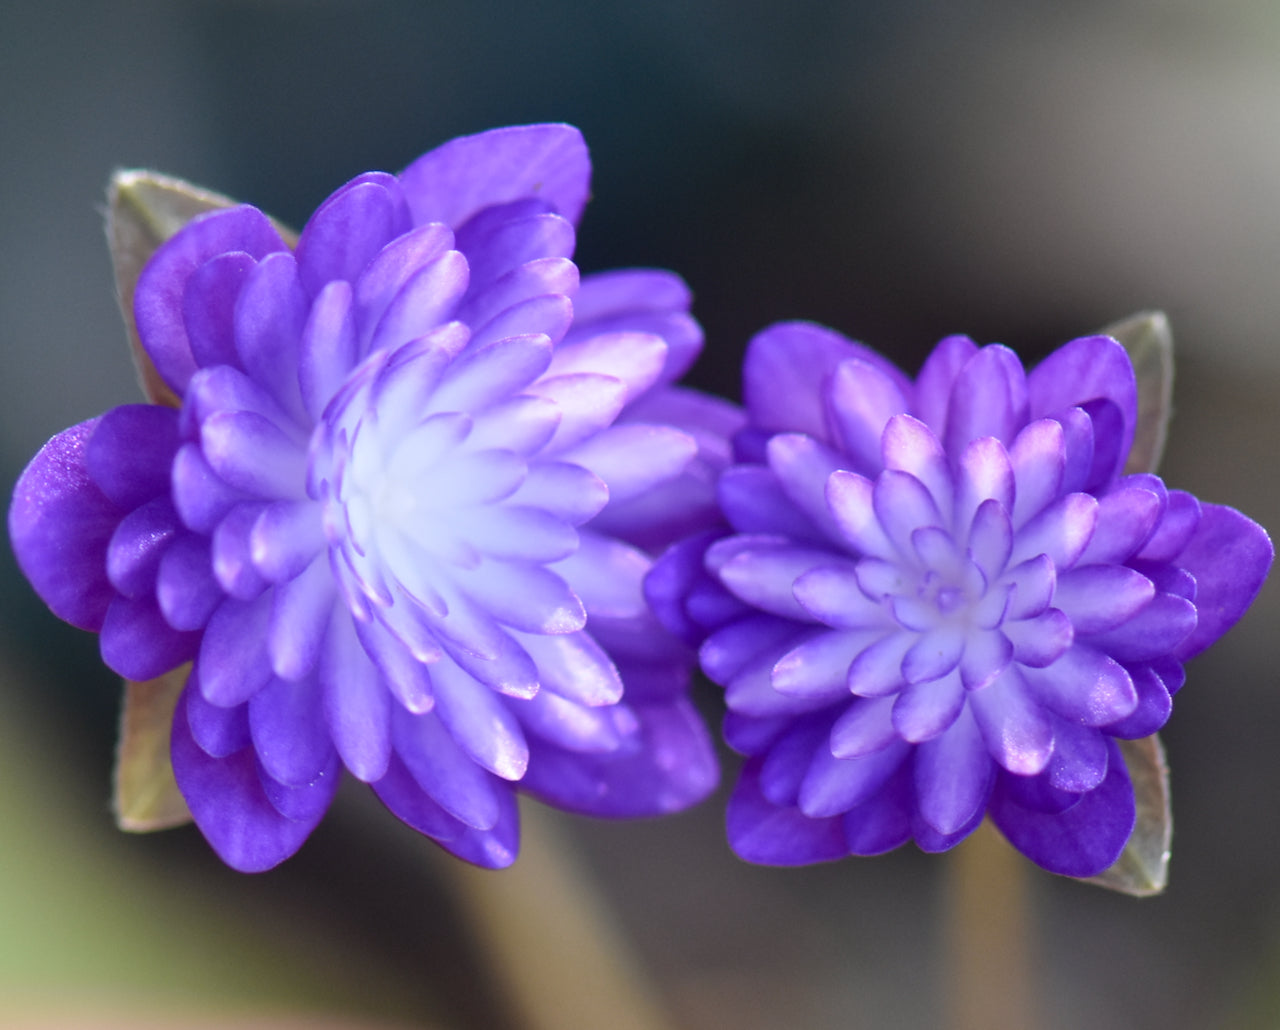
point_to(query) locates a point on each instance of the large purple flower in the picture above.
(399, 522)
(943, 599)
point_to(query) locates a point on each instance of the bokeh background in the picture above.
(1023, 172)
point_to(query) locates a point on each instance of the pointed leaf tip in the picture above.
(146, 794)
(1142, 869)
(1149, 342)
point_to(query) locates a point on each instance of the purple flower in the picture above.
(943, 599)
(399, 522)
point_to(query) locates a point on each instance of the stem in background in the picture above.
(988, 962)
(552, 943)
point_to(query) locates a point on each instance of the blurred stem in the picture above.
(988, 964)
(553, 945)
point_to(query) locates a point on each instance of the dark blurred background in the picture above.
(1022, 172)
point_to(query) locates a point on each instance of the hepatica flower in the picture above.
(396, 522)
(943, 599)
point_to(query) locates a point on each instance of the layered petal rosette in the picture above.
(943, 599)
(399, 523)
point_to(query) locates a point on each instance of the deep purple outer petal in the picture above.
(988, 398)
(157, 300)
(131, 451)
(784, 371)
(452, 182)
(669, 766)
(768, 834)
(231, 808)
(1082, 841)
(495, 848)
(936, 378)
(883, 821)
(60, 523)
(348, 230)
(1229, 555)
(136, 642)
(1086, 369)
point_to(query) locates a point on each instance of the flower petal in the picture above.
(290, 736)
(640, 300)
(937, 378)
(1157, 630)
(1127, 516)
(230, 807)
(349, 229)
(988, 399)
(1039, 462)
(130, 452)
(668, 766)
(1229, 555)
(1082, 841)
(445, 771)
(1084, 686)
(819, 667)
(452, 182)
(762, 571)
(233, 662)
(1154, 706)
(157, 300)
(953, 776)
(851, 499)
(908, 445)
(768, 834)
(1092, 367)
(218, 731)
(866, 726)
(270, 315)
(357, 707)
(136, 642)
(633, 458)
(924, 710)
(784, 371)
(1101, 597)
(494, 848)
(860, 400)
(833, 785)
(59, 525)
(479, 722)
(138, 545)
(1018, 734)
(1062, 531)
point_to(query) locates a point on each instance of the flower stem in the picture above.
(987, 946)
(552, 943)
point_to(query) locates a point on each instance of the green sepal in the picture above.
(1149, 342)
(1143, 866)
(146, 794)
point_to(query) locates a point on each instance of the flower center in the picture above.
(948, 599)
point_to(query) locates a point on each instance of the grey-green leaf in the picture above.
(1147, 338)
(1143, 867)
(146, 794)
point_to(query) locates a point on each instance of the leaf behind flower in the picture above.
(146, 794)
(1147, 338)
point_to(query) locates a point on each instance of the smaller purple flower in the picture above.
(400, 521)
(943, 599)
